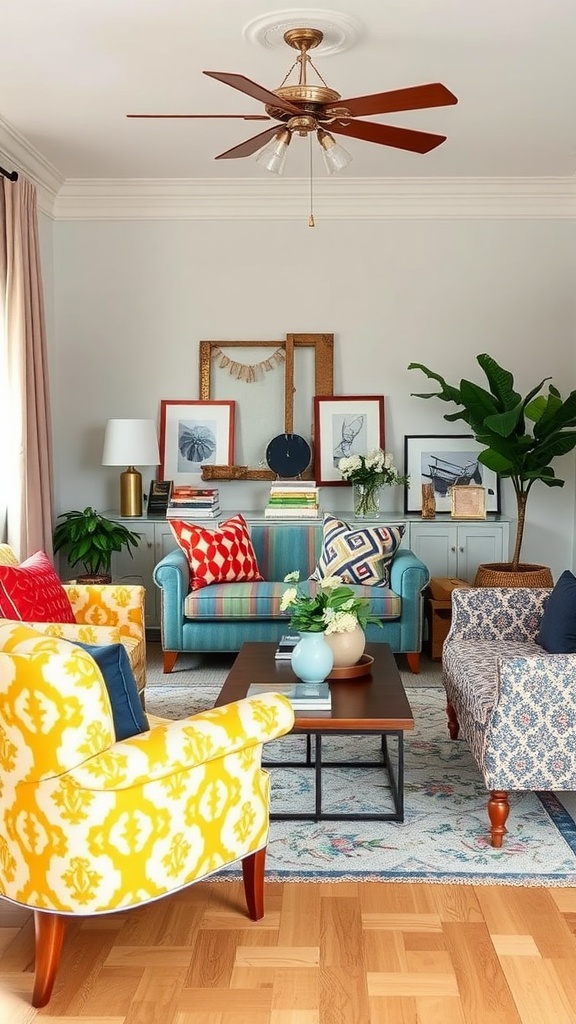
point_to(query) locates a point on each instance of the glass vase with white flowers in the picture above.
(367, 474)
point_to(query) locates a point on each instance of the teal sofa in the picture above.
(223, 616)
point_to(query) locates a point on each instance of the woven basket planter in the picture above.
(500, 574)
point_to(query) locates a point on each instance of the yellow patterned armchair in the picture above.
(89, 825)
(105, 614)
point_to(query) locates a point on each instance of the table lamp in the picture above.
(130, 443)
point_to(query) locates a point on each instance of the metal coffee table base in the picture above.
(395, 778)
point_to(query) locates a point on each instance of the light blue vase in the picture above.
(312, 658)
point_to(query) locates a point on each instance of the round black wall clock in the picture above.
(288, 455)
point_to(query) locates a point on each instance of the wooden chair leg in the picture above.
(453, 723)
(498, 811)
(253, 874)
(49, 930)
(413, 660)
(169, 660)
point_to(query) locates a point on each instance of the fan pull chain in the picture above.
(311, 223)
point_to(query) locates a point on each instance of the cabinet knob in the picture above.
(461, 549)
(452, 549)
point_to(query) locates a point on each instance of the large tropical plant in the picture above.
(521, 436)
(89, 539)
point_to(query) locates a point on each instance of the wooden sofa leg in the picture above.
(413, 660)
(498, 811)
(453, 723)
(169, 658)
(253, 874)
(49, 930)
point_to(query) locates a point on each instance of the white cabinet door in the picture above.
(138, 569)
(436, 544)
(456, 550)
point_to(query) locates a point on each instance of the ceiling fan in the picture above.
(304, 108)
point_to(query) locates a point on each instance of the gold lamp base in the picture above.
(131, 492)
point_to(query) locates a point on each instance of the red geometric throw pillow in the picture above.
(32, 592)
(222, 555)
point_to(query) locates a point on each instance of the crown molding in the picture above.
(334, 199)
(25, 159)
(506, 198)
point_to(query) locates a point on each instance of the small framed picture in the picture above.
(194, 434)
(344, 426)
(446, 461)
(467, 502)
(158, 496)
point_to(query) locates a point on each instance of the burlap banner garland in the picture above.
(249, 372)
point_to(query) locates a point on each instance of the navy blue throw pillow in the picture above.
(557, 633)
(127, 711)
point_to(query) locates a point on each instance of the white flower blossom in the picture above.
(330, 582)
(288, 598)
(340, 622)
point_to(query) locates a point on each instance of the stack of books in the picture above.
(193, 503)
(302, 696)
(293, 499)
(286, 645)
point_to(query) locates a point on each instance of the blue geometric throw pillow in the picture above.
(360, 554)
(557, 633)
(127, 711)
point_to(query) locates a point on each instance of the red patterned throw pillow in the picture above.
(32, 592)
(222, 555)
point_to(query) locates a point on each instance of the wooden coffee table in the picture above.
(372, 704)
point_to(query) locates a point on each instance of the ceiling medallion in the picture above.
(340, 31)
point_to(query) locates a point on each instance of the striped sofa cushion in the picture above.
(262, 600)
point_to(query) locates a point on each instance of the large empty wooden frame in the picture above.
(273, 384)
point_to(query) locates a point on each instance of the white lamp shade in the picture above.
(130, 443)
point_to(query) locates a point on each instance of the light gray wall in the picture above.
(133, 299)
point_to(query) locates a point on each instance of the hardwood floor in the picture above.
(341, 953)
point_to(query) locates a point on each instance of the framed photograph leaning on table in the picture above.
(446, 460)
(193, 434)
(344, 426)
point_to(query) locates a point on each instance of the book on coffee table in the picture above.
(302, 696)
(286, 645)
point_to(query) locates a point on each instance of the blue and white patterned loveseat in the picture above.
(512, 702)
(223, 616)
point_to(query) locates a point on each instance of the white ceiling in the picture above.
(70, 70)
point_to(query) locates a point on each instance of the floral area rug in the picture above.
(444, 835)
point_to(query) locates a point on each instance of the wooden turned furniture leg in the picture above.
(49, 930)
(413, 660)
(253, 873)
(453, 723)
(169, 660)
(498, 811)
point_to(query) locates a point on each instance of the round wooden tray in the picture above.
(361, 668)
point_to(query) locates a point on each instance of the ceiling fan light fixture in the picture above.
(336, 158)
(273, 156)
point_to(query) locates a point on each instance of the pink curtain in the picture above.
(28, 451)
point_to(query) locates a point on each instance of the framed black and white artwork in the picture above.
(194, 434)
(445, 460)
(345, 425)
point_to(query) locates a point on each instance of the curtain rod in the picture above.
(11, 175)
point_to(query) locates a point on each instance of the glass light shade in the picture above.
(335, 156)
(130, 443)
(273, 156)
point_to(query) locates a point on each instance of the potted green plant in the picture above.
(520, 438)
(89, 539)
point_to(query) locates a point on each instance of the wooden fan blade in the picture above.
(242, 117)
(388, 135)
(250, 146)
(417, 97)
(253, 89)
